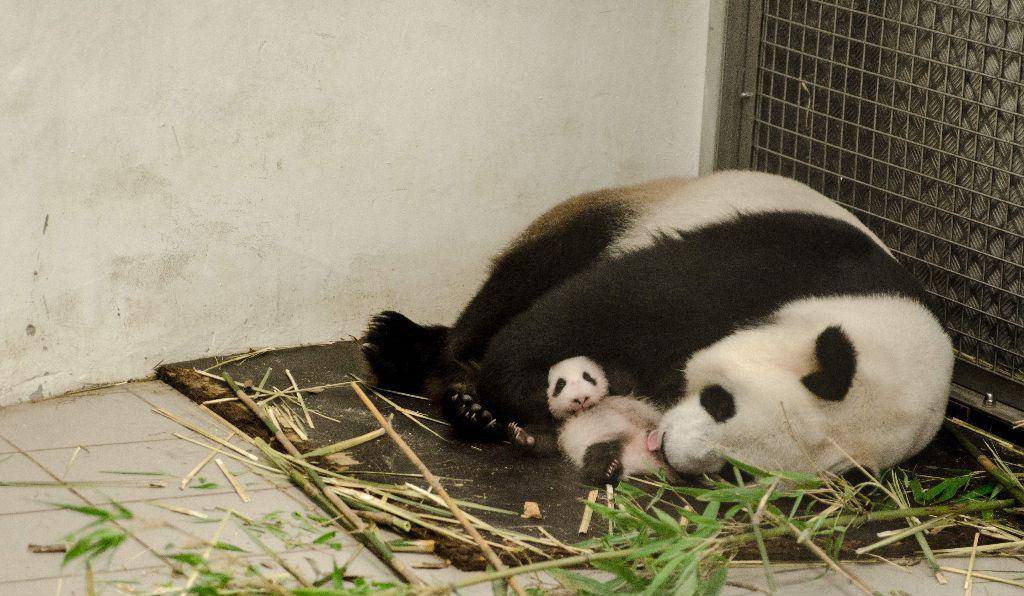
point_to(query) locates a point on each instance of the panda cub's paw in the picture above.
(602, 463)
(575, 384)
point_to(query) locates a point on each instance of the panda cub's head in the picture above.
(824, 382)
(575, 384)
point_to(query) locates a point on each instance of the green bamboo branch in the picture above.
(844, 520)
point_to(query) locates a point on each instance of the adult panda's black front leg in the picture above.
(469, 418)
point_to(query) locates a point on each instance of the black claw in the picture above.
(475, 408)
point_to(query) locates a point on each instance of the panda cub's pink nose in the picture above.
(579, 401)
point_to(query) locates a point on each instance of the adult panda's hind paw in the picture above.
(401, 353)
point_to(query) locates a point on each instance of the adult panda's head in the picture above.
(866, 376)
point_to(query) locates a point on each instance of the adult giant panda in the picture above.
(641, 280)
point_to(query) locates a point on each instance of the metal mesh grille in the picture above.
(909, 113)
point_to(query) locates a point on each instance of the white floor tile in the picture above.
(171, 460)
(884, 578)
(15, 468)
(106, 418)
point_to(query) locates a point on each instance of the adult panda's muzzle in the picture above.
(655, 444)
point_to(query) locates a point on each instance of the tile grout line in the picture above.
(114, 444)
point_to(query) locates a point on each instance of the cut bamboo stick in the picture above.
(261, 413)
(588, 513)
(232, 481)
(192, 473)
(298, 394)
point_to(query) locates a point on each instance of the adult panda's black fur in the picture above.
(649, 310)
(631, 279)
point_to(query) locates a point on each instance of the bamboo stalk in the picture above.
(192, 473)
(588, 513)
(239, 358)
(298, 394)
(489, 554)
(821, 554)
(900, 535)
(985, 576)
(344, 445)
(206, 434)
(1011, 485)
(261, 413)
(968, 584)
(232, 480)
(216, 450)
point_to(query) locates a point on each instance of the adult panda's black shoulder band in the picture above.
(837, 363)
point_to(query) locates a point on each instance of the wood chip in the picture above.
(588, 513)
(231, 479)
(341, 460)
(531, 510)
(47, 548)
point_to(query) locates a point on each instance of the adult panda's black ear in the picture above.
(837, 363)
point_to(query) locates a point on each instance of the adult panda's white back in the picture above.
(686, 204)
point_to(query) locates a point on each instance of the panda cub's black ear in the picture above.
(837, 363)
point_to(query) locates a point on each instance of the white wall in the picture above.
(185, 179)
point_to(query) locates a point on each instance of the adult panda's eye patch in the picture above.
(559, 385)
(718, 402)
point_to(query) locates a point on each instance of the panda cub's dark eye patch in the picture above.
(718, 402)
(589, 379)
(559, 385)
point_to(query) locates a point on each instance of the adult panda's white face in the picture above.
(575, 384)
(866, 376)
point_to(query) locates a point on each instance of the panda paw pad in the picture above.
(469, 416)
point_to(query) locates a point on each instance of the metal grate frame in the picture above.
(910, 113)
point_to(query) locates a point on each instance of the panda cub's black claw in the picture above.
(614, 472)
(602, 464)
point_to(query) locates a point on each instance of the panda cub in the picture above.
(605, 437)
(575, 384)
(609, 440)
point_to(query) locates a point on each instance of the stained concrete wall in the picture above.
(182, 179)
